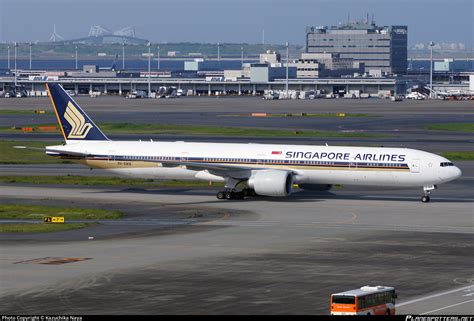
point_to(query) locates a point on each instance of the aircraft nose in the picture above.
(456, 172)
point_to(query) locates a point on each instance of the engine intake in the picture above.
(271, 182)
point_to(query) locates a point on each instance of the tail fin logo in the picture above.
(79, 127)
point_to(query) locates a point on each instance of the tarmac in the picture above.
(182, 251)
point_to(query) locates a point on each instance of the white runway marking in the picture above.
(447, 307)
(434, 296)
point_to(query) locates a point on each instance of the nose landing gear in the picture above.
(426, 193)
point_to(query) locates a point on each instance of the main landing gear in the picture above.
(231, 192)
(426, 193)
(229, 195)
(233, 195)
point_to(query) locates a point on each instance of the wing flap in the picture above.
(236, 171)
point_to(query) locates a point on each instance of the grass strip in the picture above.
(19, 211)
(40, 228)
(221, 131)
(163, 129)
(99, 181)
(459, 156)
(452, 127)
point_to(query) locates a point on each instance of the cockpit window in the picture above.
(445, 164)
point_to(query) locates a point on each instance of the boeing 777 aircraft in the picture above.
(246, 169)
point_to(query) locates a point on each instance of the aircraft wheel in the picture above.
(220, 195)
(425, 199)
(229, 195)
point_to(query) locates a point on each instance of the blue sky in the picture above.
(232, 21)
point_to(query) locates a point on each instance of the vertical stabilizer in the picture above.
(73, 121)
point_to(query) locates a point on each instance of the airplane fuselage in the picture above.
(246, 169)
(309, 164)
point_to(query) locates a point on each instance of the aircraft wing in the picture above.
(235, 171)
(224, 170)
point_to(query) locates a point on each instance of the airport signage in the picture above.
(53, 219)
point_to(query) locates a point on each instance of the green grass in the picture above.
(40, 228)
(223, 131)
(452, 127)
(10, 155)
(17, 211)
(99, 181)
(156, 129)
(459, 156)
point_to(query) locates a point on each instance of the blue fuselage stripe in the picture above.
(245, 161)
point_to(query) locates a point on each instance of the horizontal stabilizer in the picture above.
(28, 147)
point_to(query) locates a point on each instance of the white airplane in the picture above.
(246, 169)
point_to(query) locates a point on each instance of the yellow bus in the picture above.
(368, 300)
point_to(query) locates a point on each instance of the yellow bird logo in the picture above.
(80, 128)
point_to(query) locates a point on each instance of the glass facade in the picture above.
(383, 48)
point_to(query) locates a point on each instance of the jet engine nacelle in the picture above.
(315, 187)
(271, 182)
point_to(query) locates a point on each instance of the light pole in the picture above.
(431, 68)
(218, 52)
(287, 60)
(242, 56)
(149, 71)
(16, 45)
(158, 57)
(30, 54)
(76, 56)
(123, 55)
(8, 53)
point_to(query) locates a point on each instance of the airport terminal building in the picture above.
(380, 48)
